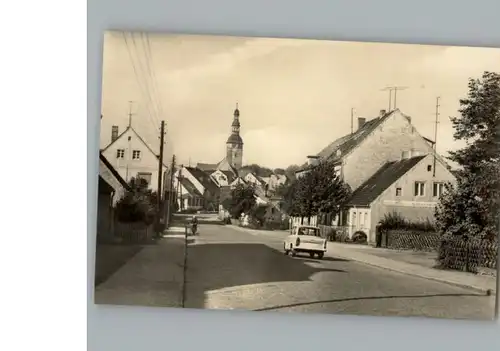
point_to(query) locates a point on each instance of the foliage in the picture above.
(137, 204)
(319, 191)
(471, 207)
(287, 192)
(258, 213)
(258, 170)
(242, 200)
(359, 238)
(394, 220)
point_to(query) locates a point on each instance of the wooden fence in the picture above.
(137, 232)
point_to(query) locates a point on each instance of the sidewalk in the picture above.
(410, 263)
(153, 277)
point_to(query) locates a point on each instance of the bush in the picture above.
(359, 238)
(395, 220)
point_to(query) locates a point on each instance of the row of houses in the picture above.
(206, 186)
(390, 167)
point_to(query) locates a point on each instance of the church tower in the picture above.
(234, 144)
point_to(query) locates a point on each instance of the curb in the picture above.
(461, 285)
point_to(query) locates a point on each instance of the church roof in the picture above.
(234, 139)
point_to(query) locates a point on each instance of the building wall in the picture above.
(220, 178)
(127, 167)
(234, 155)
(185, 173)
(105, 173)
(104, 216)
(384, 144)
(411, 207)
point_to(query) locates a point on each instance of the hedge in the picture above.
(459, 253)
(400, 239)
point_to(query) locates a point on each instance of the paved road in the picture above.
(228, 268)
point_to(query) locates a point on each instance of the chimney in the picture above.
(361, 122)
(382, 112)
(409, 119)
(114, 133)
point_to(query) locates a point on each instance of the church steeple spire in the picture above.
(234, 144)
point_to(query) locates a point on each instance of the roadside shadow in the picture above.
(217, 266)
(300, 304)
(317, 260)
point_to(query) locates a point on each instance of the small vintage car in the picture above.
(307, 239)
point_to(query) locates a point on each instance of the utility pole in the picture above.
(395, 90)
(170, 192)
(352, 120)
(435, 136)
(160, 171)
(179, 189)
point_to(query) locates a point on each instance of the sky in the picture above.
(294, 95)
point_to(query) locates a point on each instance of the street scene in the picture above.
(286, 175)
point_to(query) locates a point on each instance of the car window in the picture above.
(309, 231)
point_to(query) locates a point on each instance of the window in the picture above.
(429, 168)
(437, 189)
(419, 189)
(398, 191)
(136, 154)
(145, 176)
(120, 153)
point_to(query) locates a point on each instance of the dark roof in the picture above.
(381, 180)
(113, 171)
(230, 176)
(336, 150)
(207, 166)
(350, 141)
(186, 183)
(234, 139)
(204, 178)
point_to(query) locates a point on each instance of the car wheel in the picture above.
(284, 248)
(311, 254)
(320, 255)
(292, 251)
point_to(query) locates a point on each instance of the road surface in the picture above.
(229, 268)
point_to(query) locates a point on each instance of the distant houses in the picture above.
(206, 185)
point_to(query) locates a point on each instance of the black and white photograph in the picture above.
(298, 175)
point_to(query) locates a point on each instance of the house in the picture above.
(111, 188)
(193, 183)
(252, 178)
(222, 178)
(359, 155)
(274, 181)
(389, 139)
(131, 156)
(410, 186)
(236, 182)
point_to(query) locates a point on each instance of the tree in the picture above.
(242, 200)
(471, 206)
(287, 193)
(319, 191)
(138, 203)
